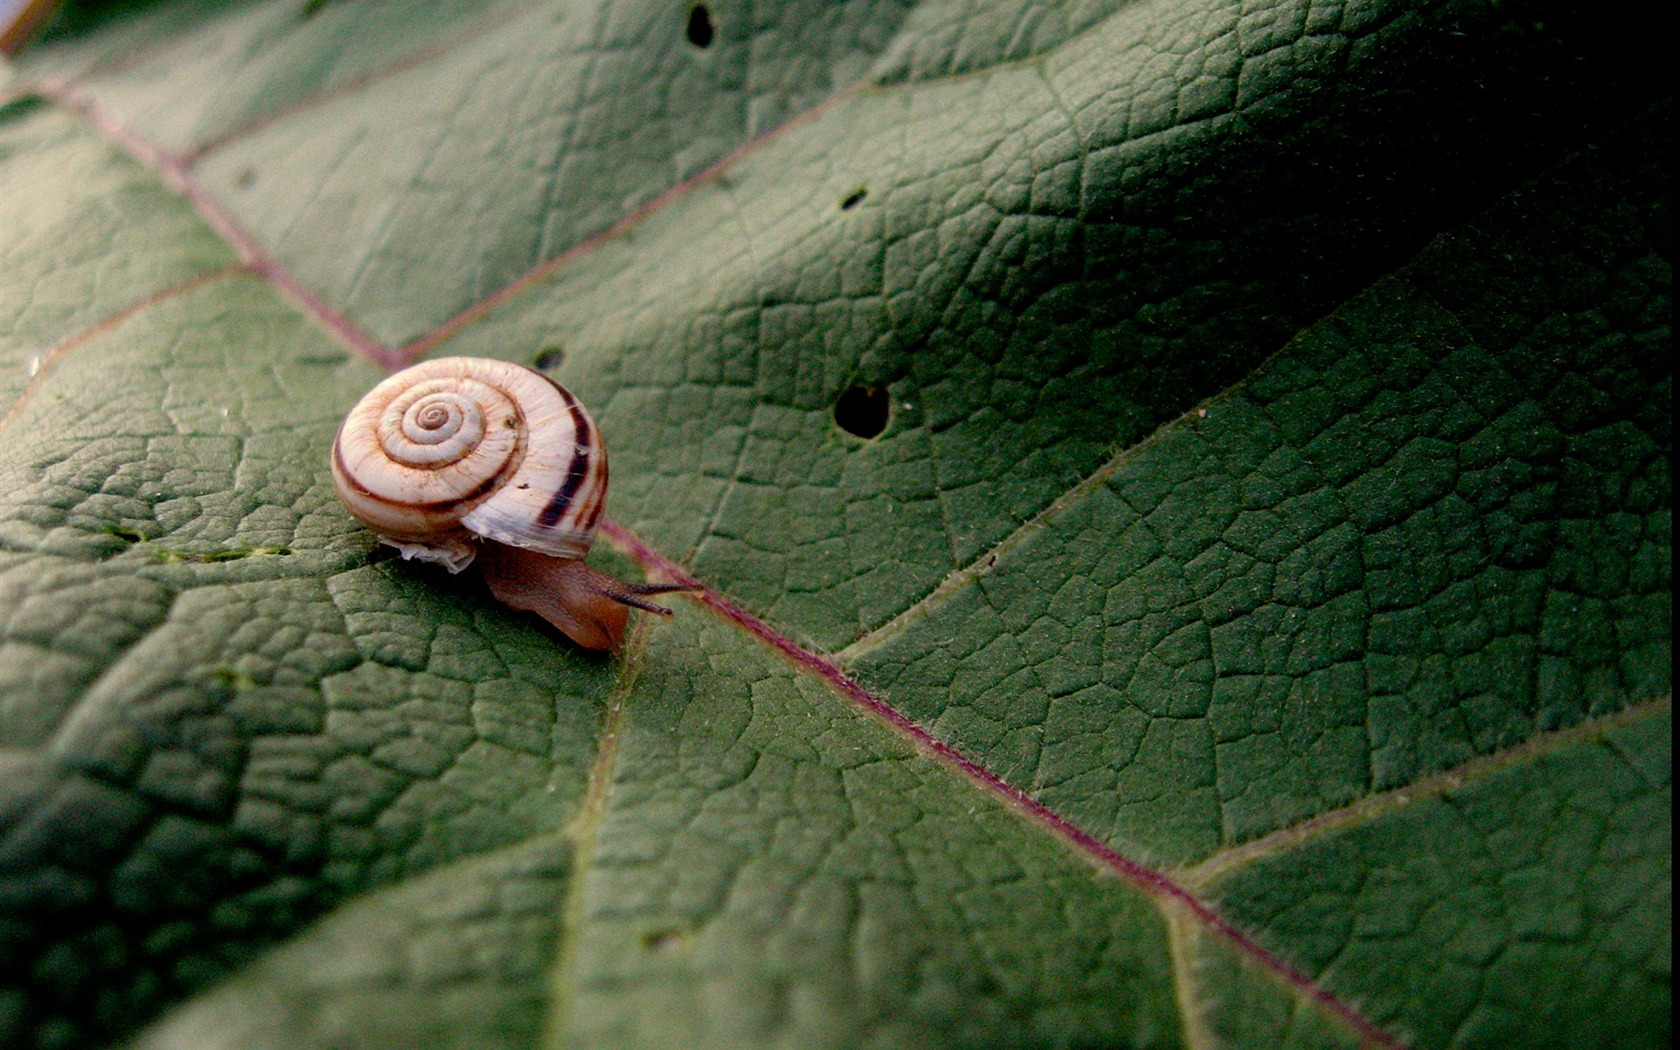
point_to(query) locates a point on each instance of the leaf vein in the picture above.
(175, 172)
(1156, 884)
(1222, 863)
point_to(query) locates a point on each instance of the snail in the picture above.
(465, 460)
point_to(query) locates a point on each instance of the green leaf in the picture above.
(1250, 623)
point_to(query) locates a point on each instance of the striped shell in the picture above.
(465, 448)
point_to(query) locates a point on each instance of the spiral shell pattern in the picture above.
(465, 447)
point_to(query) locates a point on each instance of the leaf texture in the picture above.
(1249, 627)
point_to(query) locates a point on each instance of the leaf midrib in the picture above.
(1167, 895)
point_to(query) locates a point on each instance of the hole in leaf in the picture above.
(549, 358)
(862, 411)
(246, 179)
(854, 198)
(700, 28)
(663, 942)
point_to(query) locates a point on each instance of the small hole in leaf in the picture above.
(549, 358)
(854, 198)
(700, 28)
(663, 942)
(862, 411)
(246, 179)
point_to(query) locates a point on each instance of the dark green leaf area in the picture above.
(266, 751)
(60, 620)
(85, 247)
(769, 837)
(208, 743)
(1534, 893)
(142, 466)
(1433, 526)
(457, 959)
(1104, 238)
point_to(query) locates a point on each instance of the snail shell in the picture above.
(464, 447)
(462, 459)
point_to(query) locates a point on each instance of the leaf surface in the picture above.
(1250, 626)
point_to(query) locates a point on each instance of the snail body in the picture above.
(461, 460)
